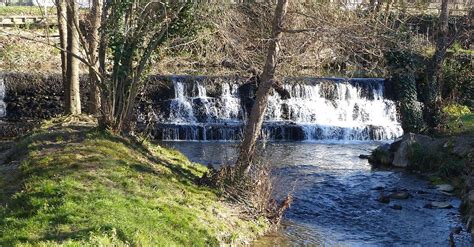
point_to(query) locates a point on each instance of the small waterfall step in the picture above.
(215, 108)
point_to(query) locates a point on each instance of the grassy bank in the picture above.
(26, 10)
(74, 185)
(461, 125)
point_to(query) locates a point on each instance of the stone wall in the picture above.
(34, 97)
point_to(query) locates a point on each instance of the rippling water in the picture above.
(335, 197)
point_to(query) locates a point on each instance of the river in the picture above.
(335, 197)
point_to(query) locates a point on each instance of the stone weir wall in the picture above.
(172, 106)
(35, 97)
(29, 98)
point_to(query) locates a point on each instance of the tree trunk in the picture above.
(255, 121)
(95, 20)
(73, 99)
(433, 70)
(62, 26)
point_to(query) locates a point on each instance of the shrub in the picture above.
(380, 156)
(428, 160)
(423, 159)
(456, 110)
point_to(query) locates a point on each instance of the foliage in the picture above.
(459, 125)
(380, 156)
(456, 110)
(402, 66)
(253, 190)
(80, 186)
(130, 33)
(228, 39)
(457, 78)
(442, 163)
(423, 159)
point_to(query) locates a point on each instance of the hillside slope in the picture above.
(73, 185)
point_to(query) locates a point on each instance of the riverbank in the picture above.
(446, 161)
(69, 183)
(335, 196)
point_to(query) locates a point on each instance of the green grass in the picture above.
(78, 186)
(461, 125)
(25, 10)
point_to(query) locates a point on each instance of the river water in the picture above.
(335, 197)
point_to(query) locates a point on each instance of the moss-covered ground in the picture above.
(74, 185)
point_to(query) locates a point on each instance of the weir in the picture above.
(216, 108)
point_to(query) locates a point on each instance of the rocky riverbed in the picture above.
(450, 158)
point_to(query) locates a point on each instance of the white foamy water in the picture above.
(322, 110)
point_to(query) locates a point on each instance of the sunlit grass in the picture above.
(88, 187)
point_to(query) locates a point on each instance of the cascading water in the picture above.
(316, 109)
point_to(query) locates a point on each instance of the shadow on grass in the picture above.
(176, 169)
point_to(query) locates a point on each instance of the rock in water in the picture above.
(401, 195)
(378, 187)
(456, 230)
(400, 158)
(396, 207)
(445, 188)
(383, 199)
(440, 205)
(447, 193)
(364, 156)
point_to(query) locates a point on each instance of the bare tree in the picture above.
(255, 121)
(93, 40)
(72, 93)
(62, 27)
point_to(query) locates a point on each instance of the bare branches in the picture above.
(51, 45)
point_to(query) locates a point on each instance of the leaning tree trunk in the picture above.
(62, 27)
(73, 99)
(255, 121)
(95, 20)
(433, 94)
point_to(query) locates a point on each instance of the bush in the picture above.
(456, 110)
(457, 79)
(458, 119)
(428, 160)
(380, 156)
(423, 159)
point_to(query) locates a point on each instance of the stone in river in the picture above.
(445, 188)
(456, 230)
(364, 156)
(401, 195)
(378, 187)
(441, 205)
(396, 207)
(383, 199)
(447, 193)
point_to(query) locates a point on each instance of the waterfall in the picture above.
(317, 109)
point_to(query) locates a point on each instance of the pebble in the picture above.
(401, 195)
(440, 205)
(378, 187)
(445, 188)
